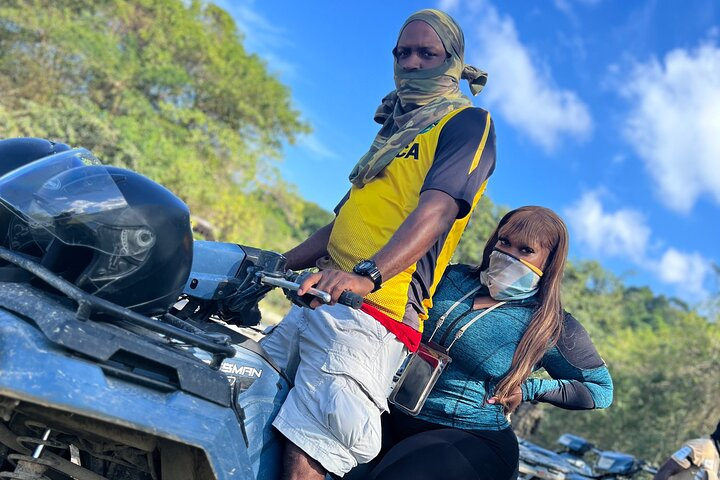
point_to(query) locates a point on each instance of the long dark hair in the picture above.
(534, 225)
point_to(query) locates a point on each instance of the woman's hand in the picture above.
(511, 403)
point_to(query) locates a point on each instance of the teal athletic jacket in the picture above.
(482, 356)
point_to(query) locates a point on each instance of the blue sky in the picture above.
(608, 112)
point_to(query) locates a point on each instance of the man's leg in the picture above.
(332, 414)
(298, 465)
(281, 342)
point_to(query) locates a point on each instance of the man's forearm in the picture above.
(306, 254)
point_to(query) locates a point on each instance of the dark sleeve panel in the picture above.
(580, 379)
(337, 208)
(575, 345)
(571, 395)
(458, 144)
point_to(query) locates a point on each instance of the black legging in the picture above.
(418, 450)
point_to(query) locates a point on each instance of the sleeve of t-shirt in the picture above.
(337, 208)
(464, 157)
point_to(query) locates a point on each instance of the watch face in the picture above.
(364, 266)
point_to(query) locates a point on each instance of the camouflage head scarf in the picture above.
(421, 97)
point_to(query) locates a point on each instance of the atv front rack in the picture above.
(110, 342)
(87, 304)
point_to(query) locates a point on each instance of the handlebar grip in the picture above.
(351, 299)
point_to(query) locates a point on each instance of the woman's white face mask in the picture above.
(509, 278)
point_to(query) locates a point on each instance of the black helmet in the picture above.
(114, 233)
(14, 153)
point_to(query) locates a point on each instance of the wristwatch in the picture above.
(367, 268)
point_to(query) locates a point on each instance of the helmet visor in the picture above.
(74, 198)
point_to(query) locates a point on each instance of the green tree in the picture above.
(314, 217)
(593, 296)
(164, 87)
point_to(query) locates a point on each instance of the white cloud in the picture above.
(564, 6)
(260, 35)
(520, 87)
(674, 123)
(317, 149)
(280, 65)
(622, 233)
(686, 270)
(625, 234)
(619, 158)
(567, 7)
(448, 5)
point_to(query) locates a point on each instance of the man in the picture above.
(392, 237)
(697, 459)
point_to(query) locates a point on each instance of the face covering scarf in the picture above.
(421, 98)
(509, 278)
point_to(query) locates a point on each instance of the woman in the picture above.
(462, 431)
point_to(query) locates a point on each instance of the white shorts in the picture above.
(342, 362)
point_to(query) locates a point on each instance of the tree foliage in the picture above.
(164, 87)
(666, 382)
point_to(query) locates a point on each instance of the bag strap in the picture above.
(462, 330)
(444, 316)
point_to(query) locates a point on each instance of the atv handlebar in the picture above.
(228, 280)
(348, 298)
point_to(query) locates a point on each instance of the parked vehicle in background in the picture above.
(578, 459)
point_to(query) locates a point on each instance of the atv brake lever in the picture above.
(350, 299)
(293, 286)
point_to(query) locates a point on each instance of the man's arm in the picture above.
(434, 214)
(306, 254)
